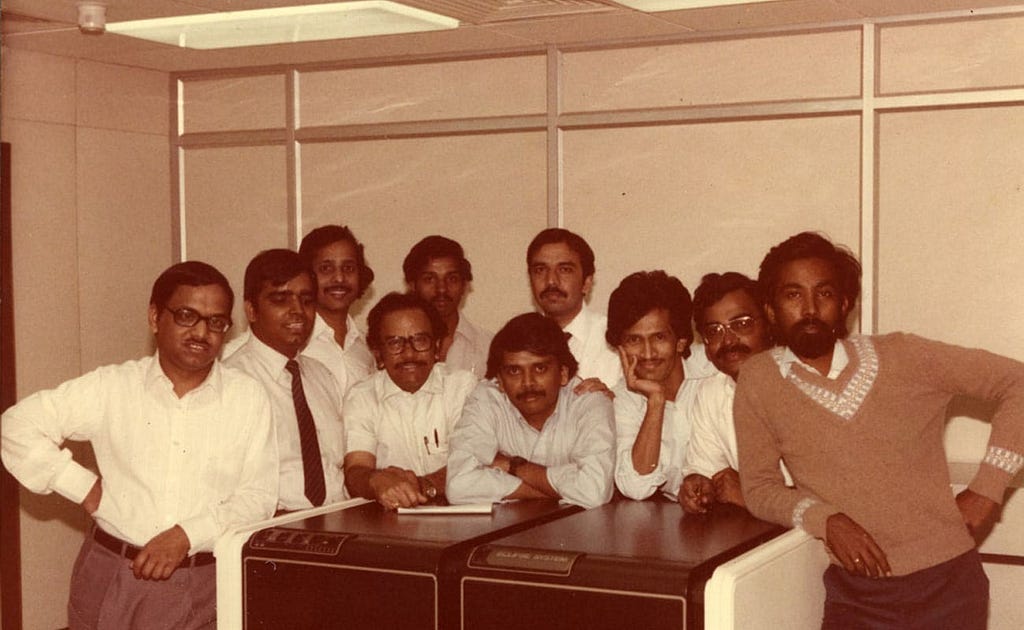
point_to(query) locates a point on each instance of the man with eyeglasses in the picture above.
(280, 303)
(525, 433)
(398, 420)
(859, 421)
(649, 324)
(186, 450)
(436, 269)
(728, 313)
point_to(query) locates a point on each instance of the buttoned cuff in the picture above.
(75, 481)
(202, 532)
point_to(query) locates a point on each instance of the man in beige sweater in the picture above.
(859, 422)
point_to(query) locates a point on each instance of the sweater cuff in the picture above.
(74, 482)
(995, 473)
(812, 515)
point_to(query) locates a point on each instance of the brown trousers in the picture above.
(106, 596)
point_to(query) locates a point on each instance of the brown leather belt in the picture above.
(125, 550)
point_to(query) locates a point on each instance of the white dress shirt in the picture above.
(206, 461)
(596, 358)
(407, 430)
(712, 444)
(576, 444)
(323, 396)
(839, 362)
(349, 365)
(630, 408)
(469, 348)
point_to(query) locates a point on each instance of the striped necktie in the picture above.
(312, 467)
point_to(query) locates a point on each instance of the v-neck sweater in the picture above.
(870, 442)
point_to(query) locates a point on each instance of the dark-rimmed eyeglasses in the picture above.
(420, 342)
(187, 318)
(739, 326)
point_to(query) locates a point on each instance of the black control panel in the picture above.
(298, 541)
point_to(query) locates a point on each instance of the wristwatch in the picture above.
(428, 488)
(515, 463)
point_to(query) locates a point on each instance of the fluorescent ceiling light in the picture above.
(651, 6)
(285, 25)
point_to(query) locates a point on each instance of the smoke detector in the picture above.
(92, 17)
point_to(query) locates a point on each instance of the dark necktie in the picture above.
(312, 468)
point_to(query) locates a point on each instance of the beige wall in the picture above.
(922, 177)
(91, 230)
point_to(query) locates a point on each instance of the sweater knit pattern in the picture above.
(845, 403)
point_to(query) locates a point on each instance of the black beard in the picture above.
(810, 345)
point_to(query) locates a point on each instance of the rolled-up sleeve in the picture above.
(629, 412)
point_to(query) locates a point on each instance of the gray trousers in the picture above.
(106, 596)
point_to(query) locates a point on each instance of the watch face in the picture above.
(431, 492)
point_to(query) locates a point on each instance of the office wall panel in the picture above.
(111, 206)
(951, 193)
(426, 91)
(814, 65)
(485, 191)
(692, 199)
(45, 247)
(37, 87)
(254, 102)
(235, 205)
(129, 99)
(957, 55)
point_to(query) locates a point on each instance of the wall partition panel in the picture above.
(232, 103)
(951, 55)
(791, 67)
(126, 221)
(471, 88)
(234, 204)
(951, 206)
(692, 199)
(486, 191)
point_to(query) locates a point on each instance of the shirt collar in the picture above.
(272, 360)
(840, 359)
(156, 380)
(322, 329)
(580, 325)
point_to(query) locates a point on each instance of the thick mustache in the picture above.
(553, 291)
(197, 340)
(528, 393)
(811, 321)
(332, 287)
(736, 347)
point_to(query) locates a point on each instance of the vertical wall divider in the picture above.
(869, 183)
(554, 137)
(292, 172)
